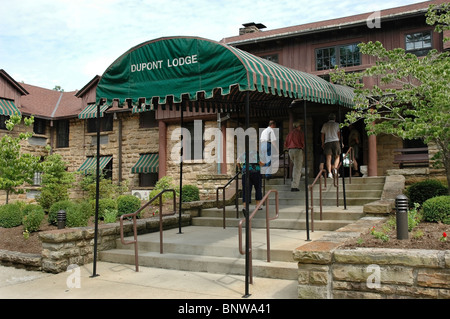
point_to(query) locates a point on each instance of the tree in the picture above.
(56, 181)
(16, 168)
(416, 104)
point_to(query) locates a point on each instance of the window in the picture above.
(62, 133)
(345, 55)
(148, 179)
(418, 43)
(39, 126)
(3, 119)
(106, 124)
(147, 119)
(196, 133)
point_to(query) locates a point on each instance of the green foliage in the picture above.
(104, 204)
(190, 193)
(33, 217)
(418, 107)
(11, 215)
(76, 215)
(164, 183)
(421, 191)
(106, 188)
(379, 235)
(16, 167)
(414, 217)
(56, 181)
(127, 204)
(437, 209)
(110, 216)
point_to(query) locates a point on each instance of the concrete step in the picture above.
(215, 250)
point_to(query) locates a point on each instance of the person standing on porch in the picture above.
(267, 141)
(295, 142)
(331, 136)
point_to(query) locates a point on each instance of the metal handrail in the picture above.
(263, 200)
(159, 195)
(235, 177)
(336, 177)
(319, 177)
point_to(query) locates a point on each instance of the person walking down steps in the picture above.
(295, 142)
(331, 137)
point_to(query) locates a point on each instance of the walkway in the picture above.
(121, 281)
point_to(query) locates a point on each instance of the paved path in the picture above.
(121, 281)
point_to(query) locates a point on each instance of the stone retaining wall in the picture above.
(326, 271)
(63, 247)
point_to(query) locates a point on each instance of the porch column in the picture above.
(162, 128)
(372, 167)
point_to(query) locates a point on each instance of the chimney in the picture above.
(251, 27)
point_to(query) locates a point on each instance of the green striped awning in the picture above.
(168, 70)
(90, 111)
(147, 163)
(7, 107)
(90, 164)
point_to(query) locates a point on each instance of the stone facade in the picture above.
(325, 271)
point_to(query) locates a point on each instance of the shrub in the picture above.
(56, 207)
(164, 183)
(76, 216)
(437, 209)
(127, 204)
(421, 191)
(190, 193)
(11, 215)
(33, 217)
(103, 205)
(110, 216)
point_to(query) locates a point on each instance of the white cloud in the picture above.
(67, 42)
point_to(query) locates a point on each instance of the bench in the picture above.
(411, 156)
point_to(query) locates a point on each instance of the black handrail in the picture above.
(336, 176)
(134, 215)
(261, 203)
(235, 177)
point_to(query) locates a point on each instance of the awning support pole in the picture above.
(306, 173)
(97, 190)
(342, 162)
(247, 197)
(181, 167)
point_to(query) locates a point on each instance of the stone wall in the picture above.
(326, 271)
(64, 247)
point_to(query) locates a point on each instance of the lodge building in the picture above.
(137, 137)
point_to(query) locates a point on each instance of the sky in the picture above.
(66, 43)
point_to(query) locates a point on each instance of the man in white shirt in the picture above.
(331, 136)
(267, 139)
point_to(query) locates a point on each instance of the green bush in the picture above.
(164, 183)
(437, 209)
(110, 216)
(33, 217)
(127, 204)
(56, 207)
(190, 193)
(421, 191)
(76, 216)
(103, 205)
(11, 215)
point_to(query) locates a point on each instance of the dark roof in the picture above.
(50, 104)
(339, 23)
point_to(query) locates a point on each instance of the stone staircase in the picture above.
(208, 247)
